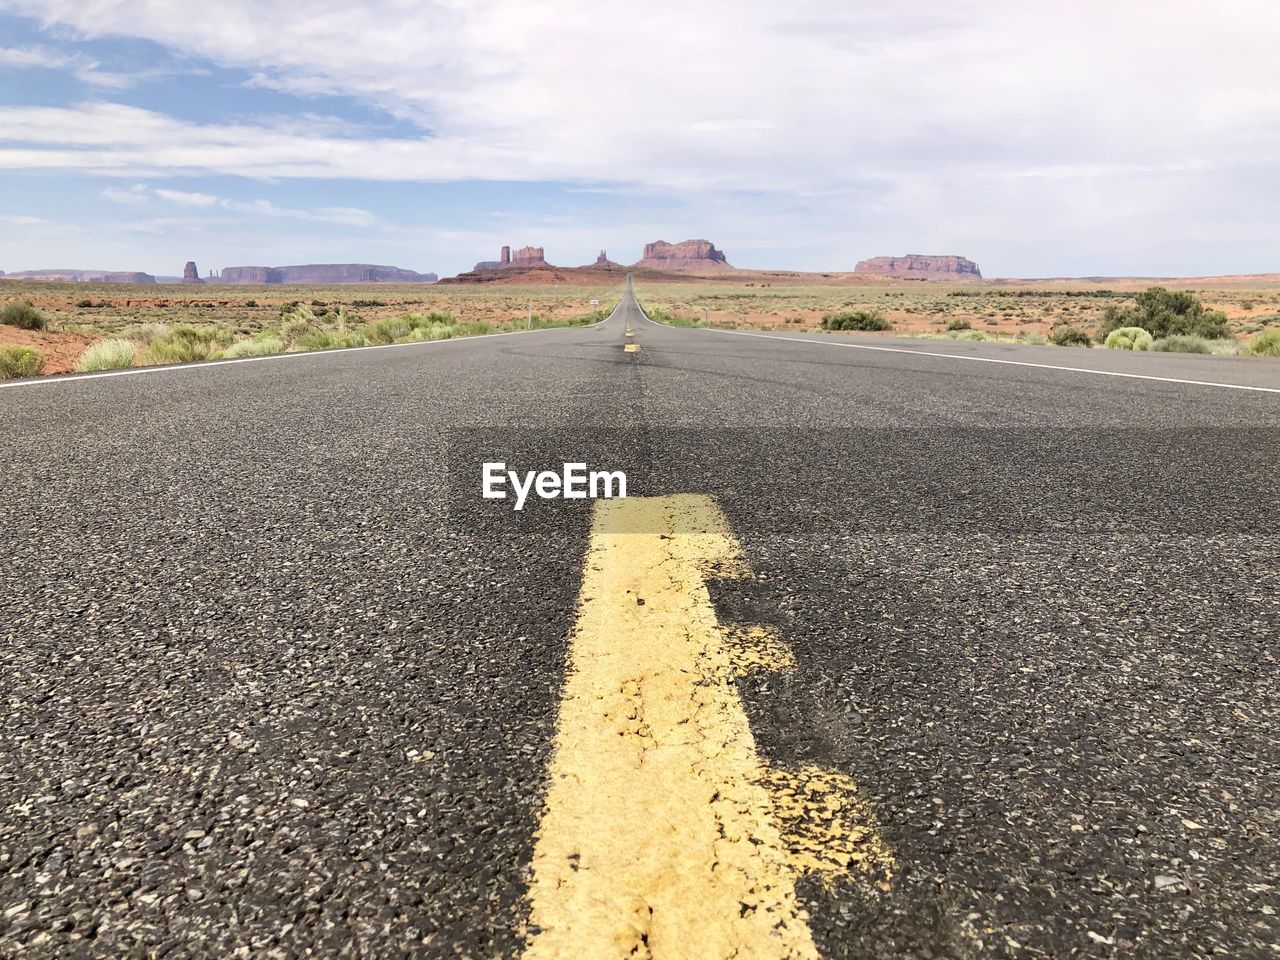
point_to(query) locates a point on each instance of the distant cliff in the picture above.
(688, 256)
(918, 266)
(320, 273)
(83, 276)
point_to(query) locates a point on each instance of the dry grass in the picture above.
(174, 324)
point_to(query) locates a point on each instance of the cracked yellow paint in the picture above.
(632, 348)
(664, 835)
(756, 648)
(829, 828)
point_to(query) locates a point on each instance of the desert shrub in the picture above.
(1265, 344)
(251, 303)
(1129, 338)
(959, 324)
(389, 329)
(20, 362)
(257, 347)
(106, 355)
(445, 317)
(24, 316)
(1166, 313)
(1069, 336)
(675, 320)
(184, 344)
(301, 329)
(82, 304)
(358, 304)
(1183, 343)
(661, 315)
(296, 321)
(863, 320)
(431, 331)
(321, 339)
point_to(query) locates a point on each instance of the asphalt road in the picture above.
(277, 682)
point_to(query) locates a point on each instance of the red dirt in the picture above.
(60, 350)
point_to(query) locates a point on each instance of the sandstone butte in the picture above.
(190, 274)
(688, 256)
(918, 266)
(525, 258)
(320, 273)
(602, 262)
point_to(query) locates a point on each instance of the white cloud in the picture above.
(136, 195)
(933, 122)
(140, 194)
(41, 57)
(184, 199)
(739, 94)
(81, 67)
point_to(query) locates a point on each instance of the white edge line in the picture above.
(954, 356)
(137, 371)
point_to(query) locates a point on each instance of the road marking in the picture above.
(631, 348)
(1014, 363)
(664, 834)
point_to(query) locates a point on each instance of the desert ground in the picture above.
(174, 323)
(997, 309)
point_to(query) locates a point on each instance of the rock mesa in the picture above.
(688, 256)
(919, 266)
(321, 273)
(84, 276)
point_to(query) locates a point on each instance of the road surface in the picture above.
(937, 657)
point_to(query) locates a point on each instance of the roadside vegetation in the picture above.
(20, 362)
(1167, 313)
(1129, 338)
(660, 314)
(1221, 321)
(24, 316)
(299, 327)
(181, 324)
(1265, 344)
(863, 320)
(1070, 336)
(106, 355)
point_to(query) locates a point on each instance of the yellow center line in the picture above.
(631, 348)
(664, 835)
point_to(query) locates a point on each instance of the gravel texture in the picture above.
(278, 683)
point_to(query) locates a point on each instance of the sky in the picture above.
(1082, 138)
